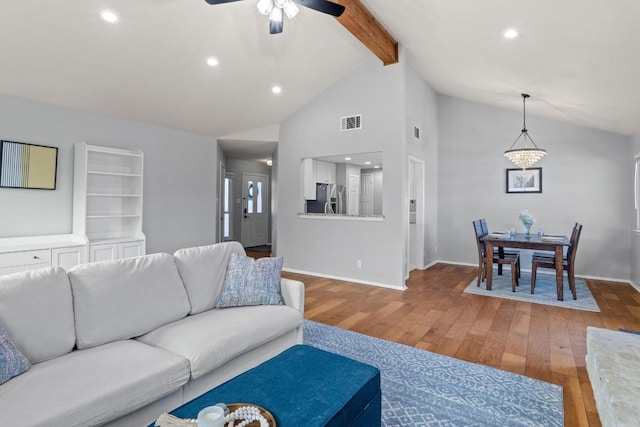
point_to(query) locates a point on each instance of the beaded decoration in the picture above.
(245, 414)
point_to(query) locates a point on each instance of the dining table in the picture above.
(501, 240)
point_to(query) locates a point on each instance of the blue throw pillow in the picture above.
(251, 282)
(12, 361)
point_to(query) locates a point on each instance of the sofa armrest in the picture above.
(293, 293)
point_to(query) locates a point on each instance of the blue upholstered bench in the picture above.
(303, 387)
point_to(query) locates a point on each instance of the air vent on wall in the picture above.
(351, 123)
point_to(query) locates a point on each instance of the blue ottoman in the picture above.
(303, 387)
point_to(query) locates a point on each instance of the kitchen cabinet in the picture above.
(308, 173)
(316, 171)
(325, 172)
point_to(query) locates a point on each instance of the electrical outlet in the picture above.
(359, 263)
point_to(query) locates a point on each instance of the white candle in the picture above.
(212, 416)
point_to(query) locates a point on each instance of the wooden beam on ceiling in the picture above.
(366, 28)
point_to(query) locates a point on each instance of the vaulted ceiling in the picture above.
(579, 59)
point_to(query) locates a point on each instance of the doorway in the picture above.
(255, 218)
(415, 240)
(353, 195)
(366, 196)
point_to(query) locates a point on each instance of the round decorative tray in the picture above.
(272, 421)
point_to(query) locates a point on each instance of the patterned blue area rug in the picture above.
(420, 388)
(544, 293)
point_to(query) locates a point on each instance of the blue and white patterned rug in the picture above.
(420, 388)
(545, 291)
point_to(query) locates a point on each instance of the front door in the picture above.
(255, 194)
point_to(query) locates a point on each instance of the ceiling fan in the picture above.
(276, 9)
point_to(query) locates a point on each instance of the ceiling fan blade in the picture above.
(275, 27)
(322, 6)
(219, 1)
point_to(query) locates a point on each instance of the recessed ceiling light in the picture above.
(367, 163)
(109, 16)
(511, 33)
(213, 61)
(276, 89)
(376, 167)
(347, 158)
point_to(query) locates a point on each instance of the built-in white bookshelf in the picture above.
(107, 200)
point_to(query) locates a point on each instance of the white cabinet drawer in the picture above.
(30, 259)
(21, 268)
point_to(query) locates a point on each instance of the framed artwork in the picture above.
(28, 166)
(524, 180)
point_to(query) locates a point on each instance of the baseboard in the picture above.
(549, 272)
(454, 263)
(346, 279)
(606, 279)
(430, 265)
(403, 288)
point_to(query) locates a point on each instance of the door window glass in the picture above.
(637, 192)
(226, 213)
(250, 196)
(259, 198)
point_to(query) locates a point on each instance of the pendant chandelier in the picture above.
(526, 156)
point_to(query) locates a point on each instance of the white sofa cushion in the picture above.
(214, 337)
(203, 270)
(36, 309)
(121, 299)
(91, 387)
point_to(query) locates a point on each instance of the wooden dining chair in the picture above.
(507, 252)
(540, 260)
(512, 260)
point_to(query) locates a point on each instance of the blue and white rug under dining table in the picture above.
(420, 388)
(545, 291)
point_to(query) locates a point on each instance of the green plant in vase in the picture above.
(527, 220)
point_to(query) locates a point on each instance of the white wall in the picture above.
(331, 247)
(422, 111)
(179, 174)
(635, 238)
(585, 179)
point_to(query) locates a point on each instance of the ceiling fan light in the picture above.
(265, 6)
(291, 9)
(275, 15)
(280, 3)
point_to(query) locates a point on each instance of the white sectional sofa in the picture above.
(613, 365)
(117, 343)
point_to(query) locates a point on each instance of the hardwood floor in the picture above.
(539, 341)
